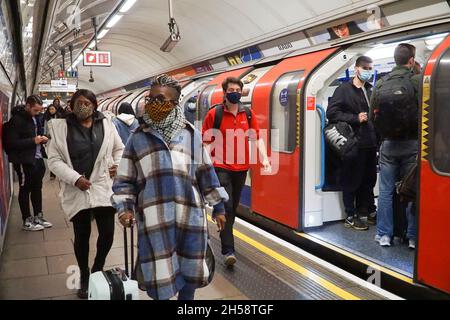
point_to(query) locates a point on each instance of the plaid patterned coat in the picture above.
(167, 191)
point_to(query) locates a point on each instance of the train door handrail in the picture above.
(322, 148)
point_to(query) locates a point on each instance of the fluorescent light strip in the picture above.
(102, 33)
(114, 20)
(127, 6)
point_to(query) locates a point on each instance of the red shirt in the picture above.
(231, 150)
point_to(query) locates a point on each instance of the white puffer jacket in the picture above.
(73, 200)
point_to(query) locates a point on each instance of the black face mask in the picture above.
(234, 97)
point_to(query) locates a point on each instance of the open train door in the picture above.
(278, 108)
(433, 253)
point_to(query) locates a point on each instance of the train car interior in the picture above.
(324, 212)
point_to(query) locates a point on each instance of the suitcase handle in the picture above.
(125, 242)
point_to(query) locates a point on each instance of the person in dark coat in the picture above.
(350, 104)
(25, 144)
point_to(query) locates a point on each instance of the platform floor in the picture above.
(34, 265)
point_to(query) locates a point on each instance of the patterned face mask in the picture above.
(82, 111)
(158, 111)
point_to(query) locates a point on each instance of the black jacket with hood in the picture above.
(20, 138)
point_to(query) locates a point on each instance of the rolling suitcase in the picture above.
(115, 284)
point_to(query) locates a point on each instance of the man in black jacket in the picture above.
(350, 104)
(26, 152)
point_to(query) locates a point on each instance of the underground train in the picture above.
(299, 203)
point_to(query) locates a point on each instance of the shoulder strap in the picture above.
(218, 117)
(366, 96)
(248, 112)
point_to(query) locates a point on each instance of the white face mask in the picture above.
(365, 75)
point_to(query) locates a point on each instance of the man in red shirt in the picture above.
(229, 150)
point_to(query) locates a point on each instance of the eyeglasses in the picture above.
(158, 99)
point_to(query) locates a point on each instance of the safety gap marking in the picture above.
(319, 261)
(296, 267)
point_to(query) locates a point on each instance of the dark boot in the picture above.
(82, 293)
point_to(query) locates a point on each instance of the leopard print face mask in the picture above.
(82, 111)
(158, 111)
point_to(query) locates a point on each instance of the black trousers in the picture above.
(30, 182)
(104, 217)
(358, 178)
(233, 182)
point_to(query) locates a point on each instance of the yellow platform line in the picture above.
(357, 258)
(296, 267)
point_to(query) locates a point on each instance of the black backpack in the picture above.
(396, 108)
(5, 136)
(219, 115)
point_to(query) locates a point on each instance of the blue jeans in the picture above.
(396, 160)
(187, 292)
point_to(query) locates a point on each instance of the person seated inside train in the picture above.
(396, 119)
(357, 176)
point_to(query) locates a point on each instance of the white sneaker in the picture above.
(39, 220)
(384, 241)
(412, 244)
(29, 225)
(230, 260)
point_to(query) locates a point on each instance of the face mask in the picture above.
(365, 75)
(158, 111)
(83, 112)
(234, 97)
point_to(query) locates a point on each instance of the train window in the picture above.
(284, 112)
(204, 102)
(441, 113)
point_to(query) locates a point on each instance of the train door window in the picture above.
(204, 102)
(284, 112)
(441, 114)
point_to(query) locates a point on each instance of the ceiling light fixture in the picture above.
(116, 18)
(102, 33)
(174, 36)
(127, 6)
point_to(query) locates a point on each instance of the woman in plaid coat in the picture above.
(163, 181)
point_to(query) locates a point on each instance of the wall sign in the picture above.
(97, 59)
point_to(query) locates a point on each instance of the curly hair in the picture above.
(165, 80)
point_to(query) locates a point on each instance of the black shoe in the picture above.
(372, 218)
(82, 293)
(356, 223)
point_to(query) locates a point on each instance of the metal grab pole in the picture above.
(94, 23)
(71, 57)
(170, 10)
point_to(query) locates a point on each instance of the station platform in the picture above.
(36, 265)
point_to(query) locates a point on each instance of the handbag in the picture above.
(341, 138)
(407, 187)
(210, 261)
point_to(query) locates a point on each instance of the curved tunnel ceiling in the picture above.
(208, 28)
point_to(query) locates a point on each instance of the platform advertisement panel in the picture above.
(5, 182)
